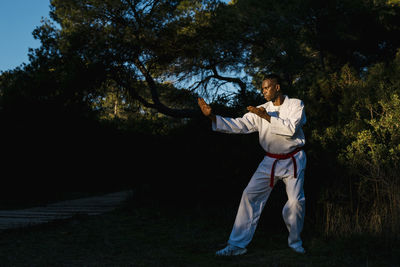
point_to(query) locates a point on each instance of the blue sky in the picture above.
(18, 18)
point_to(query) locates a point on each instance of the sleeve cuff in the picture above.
(215, 124)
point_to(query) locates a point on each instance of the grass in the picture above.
(168, 235)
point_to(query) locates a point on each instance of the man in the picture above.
(278, 123)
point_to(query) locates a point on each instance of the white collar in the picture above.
(285, 102)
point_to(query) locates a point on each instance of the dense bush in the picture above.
(362, 191)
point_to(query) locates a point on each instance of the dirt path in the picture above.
(61, 210)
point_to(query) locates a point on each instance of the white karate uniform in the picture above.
(280, 136)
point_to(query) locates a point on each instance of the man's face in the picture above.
(270, 89)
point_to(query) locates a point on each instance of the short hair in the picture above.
(273, 76)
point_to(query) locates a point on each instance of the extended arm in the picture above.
(246, 124)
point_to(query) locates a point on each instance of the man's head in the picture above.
(271, 87)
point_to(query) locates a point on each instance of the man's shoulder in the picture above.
(294, 101)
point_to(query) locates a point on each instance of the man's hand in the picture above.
(261, 112)
(205, 108)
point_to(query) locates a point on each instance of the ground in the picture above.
(167, 235)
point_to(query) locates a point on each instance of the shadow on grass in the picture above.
(164, 234)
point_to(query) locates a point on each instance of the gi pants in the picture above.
(255, 196)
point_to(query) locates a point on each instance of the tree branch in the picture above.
(157, 104)
(238, 81)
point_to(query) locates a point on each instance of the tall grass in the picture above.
(376, 212)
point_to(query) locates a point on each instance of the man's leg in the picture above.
(251, 205)
(294, 210)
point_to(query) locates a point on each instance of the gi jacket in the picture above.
(280, 136)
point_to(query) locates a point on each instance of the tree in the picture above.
(136, 42)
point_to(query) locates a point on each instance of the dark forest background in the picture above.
(108, 102)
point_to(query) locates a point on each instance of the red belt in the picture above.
(279, 157)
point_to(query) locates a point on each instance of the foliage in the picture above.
(365, 139)
(110, 71)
